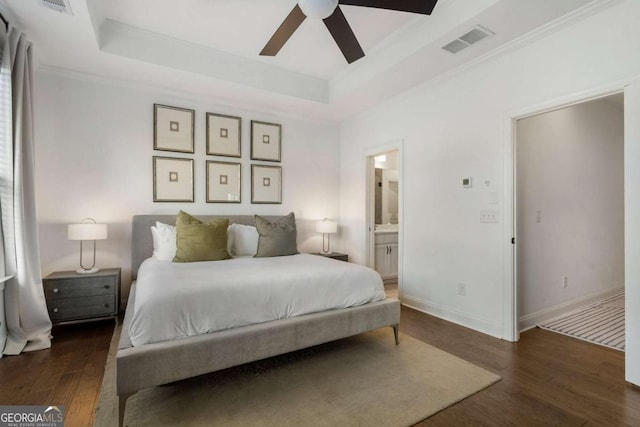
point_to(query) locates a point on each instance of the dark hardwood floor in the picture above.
(548, 379)
(68, 374)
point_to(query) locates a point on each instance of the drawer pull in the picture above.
(107, 286)
(55, 290)
(55, 310)
(106, 306)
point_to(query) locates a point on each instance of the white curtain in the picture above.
(28, 326)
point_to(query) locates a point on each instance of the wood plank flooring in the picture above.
(68, 374)
(548, 379)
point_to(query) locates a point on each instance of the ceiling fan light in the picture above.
(319, 9)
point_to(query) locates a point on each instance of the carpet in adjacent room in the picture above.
(601, 323)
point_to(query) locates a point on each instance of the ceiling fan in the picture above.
(330, 13)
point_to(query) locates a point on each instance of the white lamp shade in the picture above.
(318, 9)
(87, 231)
(327, 226)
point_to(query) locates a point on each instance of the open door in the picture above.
(384, 215)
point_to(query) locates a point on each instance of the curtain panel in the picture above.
(27, 322)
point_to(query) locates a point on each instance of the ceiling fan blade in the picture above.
(343, 35)
(284, 32)
(424, 7)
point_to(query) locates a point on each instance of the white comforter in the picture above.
(176, 300)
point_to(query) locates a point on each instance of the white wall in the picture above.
(454, 128)
(570, 206)
(632, 231)
(94, 148)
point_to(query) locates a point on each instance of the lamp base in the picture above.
(90, 271)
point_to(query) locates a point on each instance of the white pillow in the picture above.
(242, 240)
(164, 241)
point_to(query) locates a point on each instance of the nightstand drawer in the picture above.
(82, 287)
(79, 308)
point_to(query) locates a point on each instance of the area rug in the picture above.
(600, 323)
(364, 380)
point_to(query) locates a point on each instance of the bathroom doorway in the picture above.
(384, 213)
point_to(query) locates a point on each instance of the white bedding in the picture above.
(176, 300)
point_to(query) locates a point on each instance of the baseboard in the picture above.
(455, 316)
(531, 320)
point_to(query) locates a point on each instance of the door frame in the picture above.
(369, 155)
(510, 315)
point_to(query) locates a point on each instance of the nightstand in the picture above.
(334, 255)
(75, 297)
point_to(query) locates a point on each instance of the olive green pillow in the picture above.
(276, 238)
(184, 218)
(196, 241)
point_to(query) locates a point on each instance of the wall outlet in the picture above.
(462, 289)
(565, 281)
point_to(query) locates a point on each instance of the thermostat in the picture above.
(467, 182)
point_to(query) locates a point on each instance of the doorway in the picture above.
(384, 213)
(569, 215)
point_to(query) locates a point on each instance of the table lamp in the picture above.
(86, 230)
(327, 227)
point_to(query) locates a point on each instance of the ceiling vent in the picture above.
(61, 6)
(476, 34)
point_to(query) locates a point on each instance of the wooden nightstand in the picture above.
(334, 255)
(75, 297)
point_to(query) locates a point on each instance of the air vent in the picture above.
(476, 34)
(61, 6)
(455, 46)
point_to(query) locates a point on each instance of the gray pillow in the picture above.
(276, 238)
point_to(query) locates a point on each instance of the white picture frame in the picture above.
(266, 184)
(173, 179)
(266, 141)
(224, 182)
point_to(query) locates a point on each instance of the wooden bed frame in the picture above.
(160, 363)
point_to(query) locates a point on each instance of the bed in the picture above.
(160, 359)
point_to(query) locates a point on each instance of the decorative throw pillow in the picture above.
(164, 241)
(185, 218)
(242, 240)
(276, 238)
(196, 241)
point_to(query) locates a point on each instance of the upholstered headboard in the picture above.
(142, 242)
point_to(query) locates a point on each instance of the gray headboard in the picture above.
(142, 242)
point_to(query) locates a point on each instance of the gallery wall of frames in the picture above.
(173, 174)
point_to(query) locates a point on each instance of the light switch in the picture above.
(538, 216)
(490, 216)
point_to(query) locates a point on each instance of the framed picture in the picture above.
(173, 129)
(172, 179)
(266, 184)
(223, 135)
(266, 141)
(223, 182)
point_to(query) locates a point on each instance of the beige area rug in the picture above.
(364, 380)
